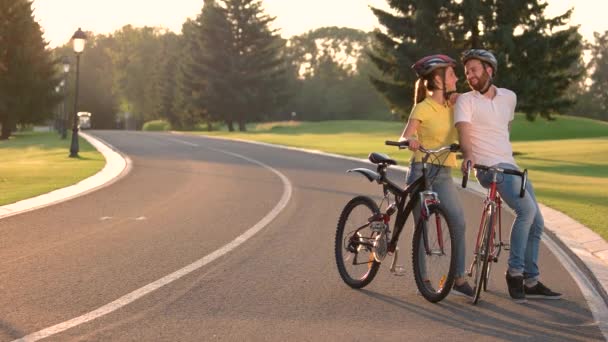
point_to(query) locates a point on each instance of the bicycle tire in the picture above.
(490, 262)
(365, 207)
(483, 257)
(442, 278)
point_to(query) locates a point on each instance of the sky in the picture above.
(61, 18)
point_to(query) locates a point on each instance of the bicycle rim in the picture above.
(354, 257)
(494, 242)
(433, 267)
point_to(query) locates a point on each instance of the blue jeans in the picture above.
(528, 226)
(449, 200)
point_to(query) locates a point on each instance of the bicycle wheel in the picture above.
(483, 257)
(354, 241)
(433, 267)
(494, 245)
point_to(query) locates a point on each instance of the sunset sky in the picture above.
(60, 18)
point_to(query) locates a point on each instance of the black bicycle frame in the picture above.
(404, 208)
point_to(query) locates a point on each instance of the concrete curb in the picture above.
(117, 166)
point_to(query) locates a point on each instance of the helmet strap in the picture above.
(487, 87)
(490, 79)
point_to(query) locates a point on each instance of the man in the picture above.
(483, 119)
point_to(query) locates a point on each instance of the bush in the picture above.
(156, 125)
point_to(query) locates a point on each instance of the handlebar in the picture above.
(404, 144)
(523, 174)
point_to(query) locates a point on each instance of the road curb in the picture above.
(117, 166)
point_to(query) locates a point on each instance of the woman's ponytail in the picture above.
(420, 91)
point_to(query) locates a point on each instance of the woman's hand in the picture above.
(414, 144)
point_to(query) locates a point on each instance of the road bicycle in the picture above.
(489, 244)
(364, 237)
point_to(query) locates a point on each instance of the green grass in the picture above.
(36, 163)
(567, 158)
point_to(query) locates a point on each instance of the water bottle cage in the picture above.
(428, 198)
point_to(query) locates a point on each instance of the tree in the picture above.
(27, 71)
(166, 87)
(418, 28)
(537, 58)
(207, 77)
(599, 76)
(257, 63)
(135, 56)
(330, 73)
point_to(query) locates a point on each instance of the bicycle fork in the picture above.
(428, 199)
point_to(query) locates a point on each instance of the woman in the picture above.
(431, 124)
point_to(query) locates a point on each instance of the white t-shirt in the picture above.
(489, 129)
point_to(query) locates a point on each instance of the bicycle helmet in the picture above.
(482, 55)
(427, 64)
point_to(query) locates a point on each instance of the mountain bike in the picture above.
(489, 244)
(364, 237)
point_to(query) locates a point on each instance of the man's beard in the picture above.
(482, 82)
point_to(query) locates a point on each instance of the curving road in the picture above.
(210, 240)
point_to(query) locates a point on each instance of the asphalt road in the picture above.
(188, 197)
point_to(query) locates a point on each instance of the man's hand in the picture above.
(463, 166)
(453, 97)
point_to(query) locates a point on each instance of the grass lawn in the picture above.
(567, 158)
(36, 163)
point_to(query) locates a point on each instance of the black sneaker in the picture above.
(463, 290)
(540, 291)
(516, 288)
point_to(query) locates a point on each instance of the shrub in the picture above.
(156, 125)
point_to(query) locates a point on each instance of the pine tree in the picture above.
(27, 71)
(599, 76)
(419, 28)
(534, 60)
(258, 63)
(166, 87)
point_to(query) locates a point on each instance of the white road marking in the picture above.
(133, 296)
(183, 142)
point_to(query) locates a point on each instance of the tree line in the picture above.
(229, 66)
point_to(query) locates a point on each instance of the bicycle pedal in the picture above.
(506, 246)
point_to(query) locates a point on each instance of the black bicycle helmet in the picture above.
(482, 55)
(427, 64)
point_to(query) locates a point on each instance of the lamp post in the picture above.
(57, 121)
(79, 39)
(64, 83)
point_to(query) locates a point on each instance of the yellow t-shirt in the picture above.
(436, 129)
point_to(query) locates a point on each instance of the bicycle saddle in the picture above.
(380, 158)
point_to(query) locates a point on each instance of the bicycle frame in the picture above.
(420, 190)
(493, 211)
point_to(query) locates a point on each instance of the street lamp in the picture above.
(78, 39)
(64, 83)
(57, 121)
